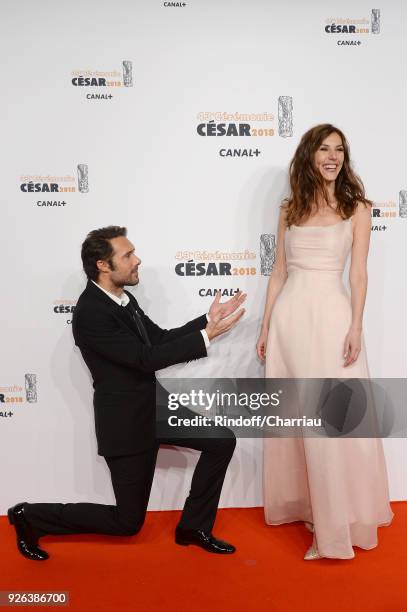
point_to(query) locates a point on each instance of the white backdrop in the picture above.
(149, 168)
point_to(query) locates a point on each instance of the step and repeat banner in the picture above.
(178, 120)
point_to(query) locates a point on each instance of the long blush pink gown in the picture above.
(339, 485)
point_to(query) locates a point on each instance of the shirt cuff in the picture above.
(205, 337)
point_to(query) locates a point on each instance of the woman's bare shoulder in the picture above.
(362, 212)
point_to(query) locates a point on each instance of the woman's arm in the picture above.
(358, 280)
(279, 273)
(276, 282)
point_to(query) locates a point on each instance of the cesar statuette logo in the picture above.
(375, 19)
(403, 203)
(285, 116)
(267, 253)
(31, 388)
(83, 183)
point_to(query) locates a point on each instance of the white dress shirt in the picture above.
(123, 299)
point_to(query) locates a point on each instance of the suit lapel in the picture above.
(125, 319)
(119, 312)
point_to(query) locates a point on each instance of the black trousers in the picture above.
(132, 477)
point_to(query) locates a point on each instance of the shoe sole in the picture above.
(181, 543)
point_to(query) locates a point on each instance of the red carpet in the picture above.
(148, 572)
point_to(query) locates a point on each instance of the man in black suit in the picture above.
(123, 348)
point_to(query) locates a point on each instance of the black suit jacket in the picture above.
(123, 367)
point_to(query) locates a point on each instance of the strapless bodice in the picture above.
(324, 249)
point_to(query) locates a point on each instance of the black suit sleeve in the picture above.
(103, 334)
(158, 335)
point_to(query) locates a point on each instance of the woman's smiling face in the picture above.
(329, 157)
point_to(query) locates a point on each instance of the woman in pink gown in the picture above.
(312, 328)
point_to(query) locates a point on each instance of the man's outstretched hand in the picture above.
(222, 317)
(227, 308)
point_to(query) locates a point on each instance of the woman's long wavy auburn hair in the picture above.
(307, 184)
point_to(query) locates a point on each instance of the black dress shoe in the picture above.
(203, 539)
(26, 540)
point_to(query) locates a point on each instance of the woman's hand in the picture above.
(352, 347)
(261, 344)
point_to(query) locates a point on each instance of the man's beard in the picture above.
(129, 282)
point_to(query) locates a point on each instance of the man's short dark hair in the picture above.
(97, 246)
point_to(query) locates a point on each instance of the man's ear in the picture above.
(102, 265)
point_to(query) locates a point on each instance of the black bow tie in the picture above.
(135, 315)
